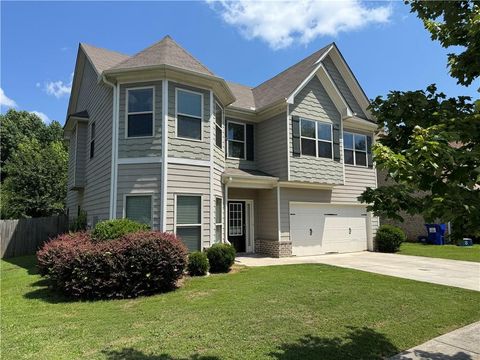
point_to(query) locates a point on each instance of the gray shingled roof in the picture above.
(103, 59)
(283, 84)
(243, 95)
(164, 52)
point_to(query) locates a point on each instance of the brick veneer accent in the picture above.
(273, 248)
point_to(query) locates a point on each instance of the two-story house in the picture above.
(275, 169)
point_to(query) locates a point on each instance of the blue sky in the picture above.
(386, 46)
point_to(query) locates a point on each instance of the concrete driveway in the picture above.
(462, 274)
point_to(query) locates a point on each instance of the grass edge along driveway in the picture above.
(279, 312)
(452, 252)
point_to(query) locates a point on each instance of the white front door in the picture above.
(322, 228)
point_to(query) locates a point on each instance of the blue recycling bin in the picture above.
(436, 233)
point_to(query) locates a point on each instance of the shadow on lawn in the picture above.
(128, 353)
(29, 263)
(360, 343)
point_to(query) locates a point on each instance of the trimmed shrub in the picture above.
(221, 257)
(140, 263)
(197, 264)
(389, 238)
(113, 229)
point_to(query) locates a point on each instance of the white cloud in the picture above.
(58, 88)
(38, 85)
(5, 100)
(42, 116)
(281, 23)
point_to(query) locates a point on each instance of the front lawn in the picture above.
(278, 312)
(452, 252)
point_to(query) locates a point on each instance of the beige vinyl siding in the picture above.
(313, 103)
(218, 193)
(189, 180)
(142, 146)
(267, 215)
(140, 179)
(80, 154)
(300, 195)
(185, 148)
(271, 146)
(238, 163)
(342, 86)
(96, 98)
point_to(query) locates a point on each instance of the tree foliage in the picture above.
(454, 23)
(34, 166)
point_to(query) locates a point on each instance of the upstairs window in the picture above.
(236, 140)
(355, 149)
(140, 112)
(316, 139)
(218, 126)
(92, 139)
(189, 114)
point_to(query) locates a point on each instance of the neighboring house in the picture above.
(275, 169)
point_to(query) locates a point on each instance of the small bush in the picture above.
(389, 238)
(79, 223)
(197, 264)
(113, 229)
(221, 257)
(136, 264)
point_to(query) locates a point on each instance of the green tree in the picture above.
(37, 180)
(454, 23)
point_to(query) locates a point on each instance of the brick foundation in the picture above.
(273, 248)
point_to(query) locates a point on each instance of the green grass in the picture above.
(453, 252)
(279, 312)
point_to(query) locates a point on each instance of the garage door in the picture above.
(322, 228)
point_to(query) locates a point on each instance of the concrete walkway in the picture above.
(461, 344)
(462, 274)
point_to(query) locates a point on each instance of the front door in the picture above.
(236, 225)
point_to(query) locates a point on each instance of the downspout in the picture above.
(114, 138)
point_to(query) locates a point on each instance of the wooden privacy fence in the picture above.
(25, 236)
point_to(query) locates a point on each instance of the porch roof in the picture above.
(245, 178)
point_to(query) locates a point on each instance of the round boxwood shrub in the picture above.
(113, 229)
(197, 264)
(140, 263)
(389, 238)
(221, 257)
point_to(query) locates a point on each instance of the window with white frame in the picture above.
(218, 125)
(139, 208)
(189, 114)
(140, 112)
(316, 138)
(92, 140)
(236, 140)
(218, 220)
(235, 219)
(355, 149)
(188, 220)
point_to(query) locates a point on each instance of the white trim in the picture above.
(355, 150)
(185, 161)
(238, 141)
(342, 153)
(200, 195)
(215, 219)
(316, 139)
(212, 158)
(225, 217)
(177, 89)
(345, 110)
(278, 214)
(124, 207)
(164, 177)
(113, 159)
(115, 150)
(251, 231)
(288, 141)
(128, 89)
(216, 125)
(140, 160)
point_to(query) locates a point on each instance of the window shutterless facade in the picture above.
(316, 138)
(92, 140)
(139, 208)
(236, 140)
(218, 220)
(189, 114)
(140, 113)
(355, 149)
(188, 220)
(218, 125)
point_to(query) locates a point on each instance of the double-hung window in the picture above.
(139, 208)
(92, 139)
(316, 138)
(236, 140)
(218, 125)
(189, 220)
(355, 149)
(189, 114)
(218, 220)
(140, 112)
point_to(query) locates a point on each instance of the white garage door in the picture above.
(322, 228)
